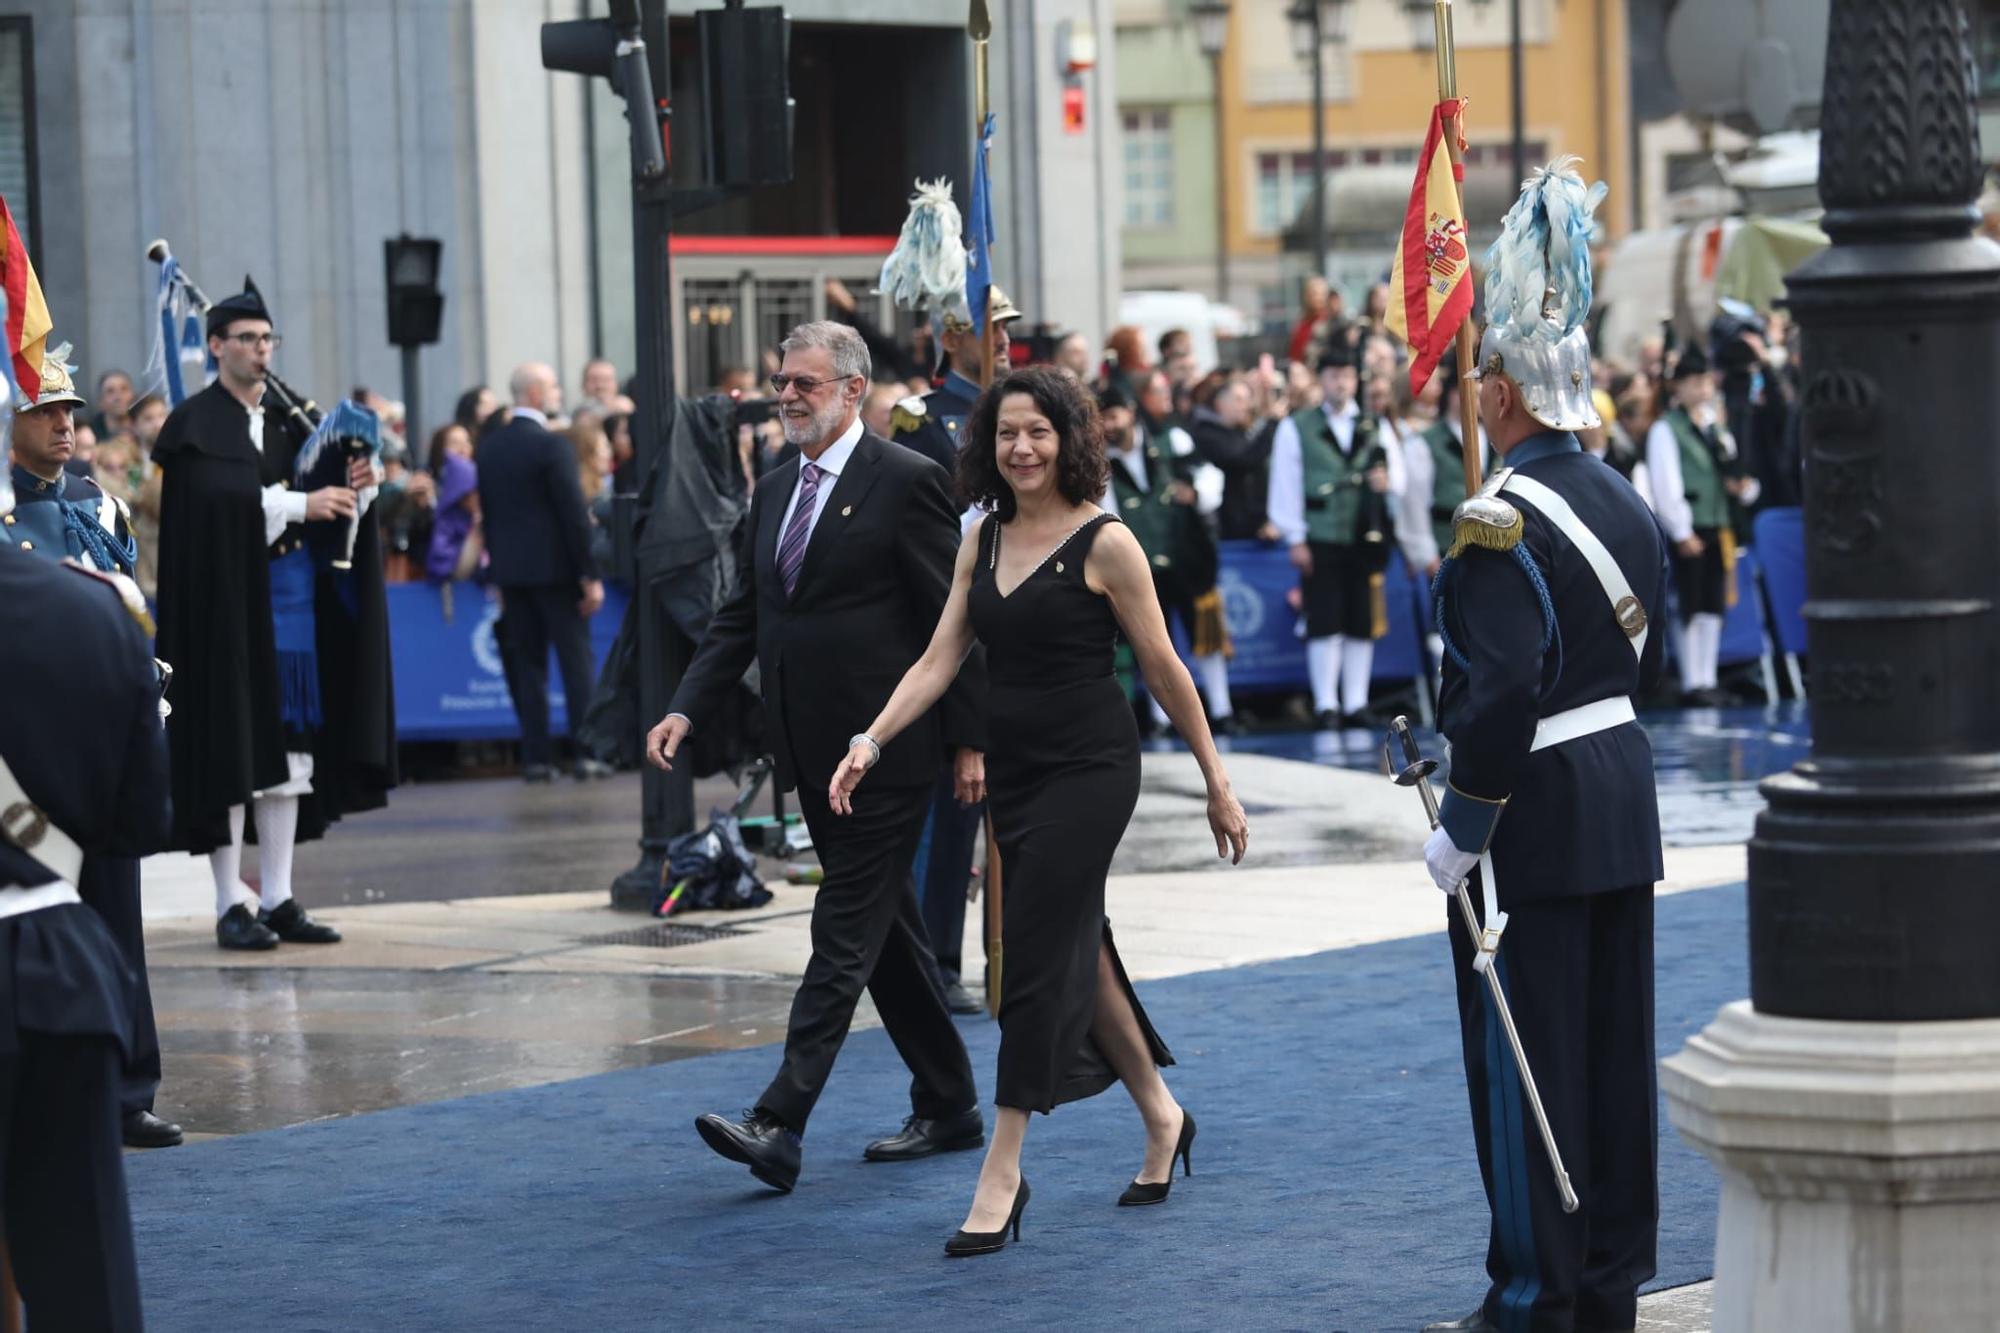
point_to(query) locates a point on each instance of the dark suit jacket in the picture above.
(1581, 817)
(531, 506)
(876, 575)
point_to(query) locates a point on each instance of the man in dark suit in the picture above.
(538, 546)
(855, 541)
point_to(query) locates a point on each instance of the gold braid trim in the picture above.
(1469, 530)
(1727, 540)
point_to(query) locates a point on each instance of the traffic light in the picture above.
(614, 49)
(416, 306)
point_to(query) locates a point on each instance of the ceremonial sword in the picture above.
(1416, 772)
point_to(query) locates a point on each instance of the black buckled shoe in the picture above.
(291, 924)
(760, 1141)
(143, 1129)
(238, 929)
(921, 1138)
(1476, 1322)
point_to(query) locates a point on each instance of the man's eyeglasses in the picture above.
(249, 340)
(803, 383)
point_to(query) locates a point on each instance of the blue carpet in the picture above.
(1336, 1190)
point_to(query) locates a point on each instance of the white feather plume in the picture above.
(926, 270)
(1538, 269)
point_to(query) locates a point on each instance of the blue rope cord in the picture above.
(86, 537)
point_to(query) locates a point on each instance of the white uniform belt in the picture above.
(23, 825)
(1617, 588)
(1583, 721)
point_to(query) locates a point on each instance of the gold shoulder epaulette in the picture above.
(907, 415)
(1485, 520)
(128, 593)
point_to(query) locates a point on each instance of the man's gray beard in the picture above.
(815, 427)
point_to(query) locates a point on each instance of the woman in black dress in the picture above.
(1046, 583)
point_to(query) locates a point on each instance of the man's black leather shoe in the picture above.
(1328, 720)
(238, 929)
(760, 1141)
(143, 1129)
(291, 924)
(1476, 1322)
(959, 1000)
(589, 770)
(920, 1138)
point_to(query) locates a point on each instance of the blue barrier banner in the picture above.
(1263, 627)
(449, 682)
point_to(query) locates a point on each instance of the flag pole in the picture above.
(979, 26)
(1468, 347)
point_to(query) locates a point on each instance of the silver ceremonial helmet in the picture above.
(1552, 371)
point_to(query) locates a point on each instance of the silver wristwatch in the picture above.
(863, 738)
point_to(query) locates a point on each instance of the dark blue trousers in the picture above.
(945, 872)
(1578, 974)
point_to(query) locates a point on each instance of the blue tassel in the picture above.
(298, 691)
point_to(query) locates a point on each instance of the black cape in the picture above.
(225, 734)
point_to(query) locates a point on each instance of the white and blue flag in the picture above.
(179, 363)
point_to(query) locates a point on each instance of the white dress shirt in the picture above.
(1663, 465)
(1413, 513)
(830, 463)
(1285, 501)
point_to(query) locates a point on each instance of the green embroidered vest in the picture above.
(1148, 513)
(1334, 481)
(1701, 478)
(1447, 481)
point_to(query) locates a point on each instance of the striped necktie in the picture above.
(792, 548)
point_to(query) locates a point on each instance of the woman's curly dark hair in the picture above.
(1081, 468)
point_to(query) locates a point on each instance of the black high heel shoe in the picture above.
(1138, 1192)
(964, 1243)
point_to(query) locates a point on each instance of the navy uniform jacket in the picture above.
(935, 434)
(531, 507)
(1581, 817)
(38, 524)
(73, 651)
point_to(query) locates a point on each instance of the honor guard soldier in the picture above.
(61, 516)
(1548, 601)
(1329, 497)
(56, 513)
(930, 423)
(83, 776)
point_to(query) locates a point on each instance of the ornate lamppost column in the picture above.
(1852, 1104)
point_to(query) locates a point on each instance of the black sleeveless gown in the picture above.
(1062, 778)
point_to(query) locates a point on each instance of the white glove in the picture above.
(1448, 865)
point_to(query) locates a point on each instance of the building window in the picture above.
(1149, 169)
(17, 128)
(1284, 186)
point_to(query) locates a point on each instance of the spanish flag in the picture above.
(1430, 283)
(28, 321)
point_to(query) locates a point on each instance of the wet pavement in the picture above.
(482, 954)
(258, 1048)
(1708, 762)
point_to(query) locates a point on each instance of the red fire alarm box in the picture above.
(1073, 109)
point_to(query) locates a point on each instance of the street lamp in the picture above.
(1314, 23)
(1519, 81)
(1211, 30)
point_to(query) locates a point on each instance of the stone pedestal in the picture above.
(1860, 1169)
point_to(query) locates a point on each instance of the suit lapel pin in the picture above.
(845, 510)
(1059, 567)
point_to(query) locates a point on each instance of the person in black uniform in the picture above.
(1548, 603)
(850, 566)
(930, 425)
(1047, 582)
(58, 516)
(285, 712)
(83, 774)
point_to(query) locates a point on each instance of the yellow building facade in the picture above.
(1380, 85)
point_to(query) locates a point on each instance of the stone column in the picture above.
(1852, 1105)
